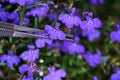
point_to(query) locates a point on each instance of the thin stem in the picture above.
(35, 22)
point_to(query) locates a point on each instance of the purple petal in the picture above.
(115, 76)
(93, 1)
(48, 41)
(77, 20)
(97, 22)
(16, 59)
(40, 43)
(61, 35)
(115, 36)
(3, 58)
(23, 68)
(101, 1)
(60, 73)
(21, 2)
(12, 1)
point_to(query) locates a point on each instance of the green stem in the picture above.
(35, 22)
(21, 16)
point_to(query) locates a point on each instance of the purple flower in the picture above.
(10, 59)
(97, 1)
(40, 42)
(3, 14)
(92, 59)
(21, 2)
(70, 19)
(14, 17)
(31, 54)
(116, 75)
(115, 35)
(28, 77)
(72, 47)
(30, 69)
(55, 45)
(55, 33)
(25, 21)
(101, 1)
(39, 11)
(91, 35)
(55, 74)
(95, 78)
(52, 16)
(90, 23)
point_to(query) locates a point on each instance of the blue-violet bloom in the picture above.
(31, 54)
(10, 59)
(73, 47)
(28, 77)
(115, 35)
(40, 42)
(52, 16)
(30, 69)
(95, 78)
(90, 23)
(39, 11)
(91, 35)
(116, 75)
(92, 59)
(55, 74)
(3, 14)
(70, 19)
(97, 1)
(21, 2)
(55, 33)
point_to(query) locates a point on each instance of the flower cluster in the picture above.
(63, 27)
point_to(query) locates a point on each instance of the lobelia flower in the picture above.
(39, 11)
(14, 17)
(29, 2)
(55, 74)
(25, 21)
(30, 69)
(90, 23)
(72, 47)
(92, 59)
(55, 33)
(40, 42)
(55, 45)
(28, 77)
(70, 19)
(97, 1)
(10, 59)
(116, 75)
(95, 78)
(52, 16)
(21, 2)
(115, 35)
(3, 14)
(31, 54)
(91, 35)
